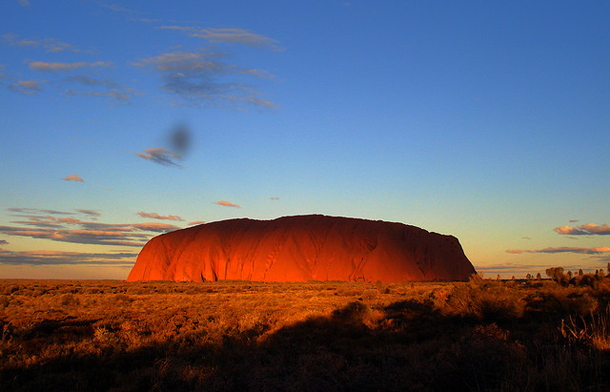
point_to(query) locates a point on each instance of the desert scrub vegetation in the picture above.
(231, 335)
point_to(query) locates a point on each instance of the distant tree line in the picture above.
(580, 279)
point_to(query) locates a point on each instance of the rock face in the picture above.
(302, 248)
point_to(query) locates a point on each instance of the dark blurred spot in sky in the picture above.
(180, 138)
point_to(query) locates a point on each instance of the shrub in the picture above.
(485, 300)
(565, 301)
(370, 294)
(353, 312)
(592, 330)
(69, 300)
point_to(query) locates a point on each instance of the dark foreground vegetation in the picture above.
(482, 335)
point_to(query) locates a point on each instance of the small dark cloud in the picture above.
(180, 138)
(3, 242)
(275, 198)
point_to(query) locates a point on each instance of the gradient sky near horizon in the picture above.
(121, 120)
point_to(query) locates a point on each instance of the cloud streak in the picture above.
(41, 257)
(54, 66)
(154, 215)
(73, 230)
(229, 36)
(225, 203)
(50, 45)
(586, 229)
(565, 249)
(196, 223)
(161, 156)
(73, 177)
(27, 87)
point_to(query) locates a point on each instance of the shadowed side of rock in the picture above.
(302, 248)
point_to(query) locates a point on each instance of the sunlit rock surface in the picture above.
(302, 248)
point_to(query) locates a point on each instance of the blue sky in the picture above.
(121, 120)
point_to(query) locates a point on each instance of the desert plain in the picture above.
(484, 334)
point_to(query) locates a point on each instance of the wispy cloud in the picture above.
(92, 213)
(196, 223)
(91, 237)
(27, 87)
(154, 215)
(226, 204)
(275, 198)
(113, 94)
(50, 45)
(72, 230)
(202, 78)
(73, 177)
(145, 20)
(156, 227)
(565, 249)
(53, 66)
(45, 257)
(229, 36)
(88, 81)
(586, 229)
(25, 3)
(116, 8)
(105, 87)
(238, 36)
(37, 211)
(161, 156)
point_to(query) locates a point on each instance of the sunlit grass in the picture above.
(233, 335)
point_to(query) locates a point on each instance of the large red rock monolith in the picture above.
(302, 248)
